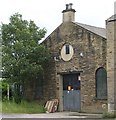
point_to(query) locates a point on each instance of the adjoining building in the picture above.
(111, 62)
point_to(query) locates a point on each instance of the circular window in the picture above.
(67, 52)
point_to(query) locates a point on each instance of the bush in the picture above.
(17, 92)
(4, 87)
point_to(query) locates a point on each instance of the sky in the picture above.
(48, 13)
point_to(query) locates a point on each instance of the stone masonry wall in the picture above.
(93, 48)
(111, 65)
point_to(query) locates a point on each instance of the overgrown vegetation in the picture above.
(23, 107)
(4, 89)
(13, 102)
(109, 115)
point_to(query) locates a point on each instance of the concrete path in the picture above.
(53, 115)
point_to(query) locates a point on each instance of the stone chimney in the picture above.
(68, 13)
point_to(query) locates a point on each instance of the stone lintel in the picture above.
(69, 72)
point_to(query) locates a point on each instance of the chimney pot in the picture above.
(70, 5)
(67, 6)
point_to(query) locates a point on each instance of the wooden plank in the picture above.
(52, 105)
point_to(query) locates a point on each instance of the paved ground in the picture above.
(53, 116)
(55, 119)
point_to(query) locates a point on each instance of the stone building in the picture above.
(77, 74)
(111, 62)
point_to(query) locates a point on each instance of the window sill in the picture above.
(95, 98)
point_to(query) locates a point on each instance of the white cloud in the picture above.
(47, 13)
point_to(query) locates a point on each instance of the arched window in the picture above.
(101, 83)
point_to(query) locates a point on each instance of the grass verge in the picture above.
(23, 107)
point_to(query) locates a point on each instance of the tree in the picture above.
(23, 58)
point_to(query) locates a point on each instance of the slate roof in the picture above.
(97, 30)
(112, 18)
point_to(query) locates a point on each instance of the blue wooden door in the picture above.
(71, 93)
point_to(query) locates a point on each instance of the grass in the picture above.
(109, 115)
(23, 107)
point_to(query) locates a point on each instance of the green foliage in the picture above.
(23, 107)
(17, 92)
(23, 58)
(109, 115)
(3, 87)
